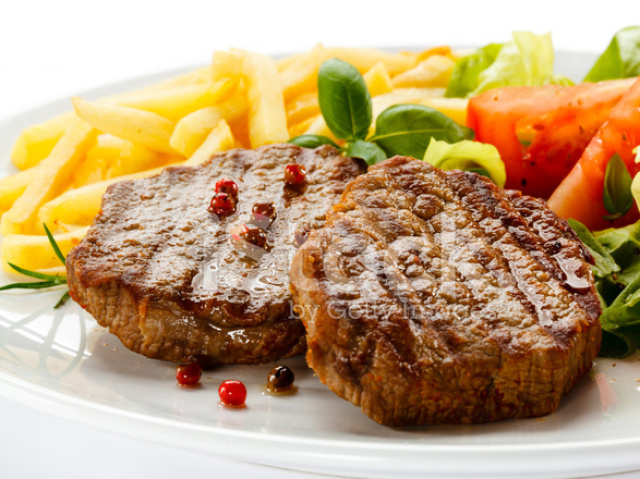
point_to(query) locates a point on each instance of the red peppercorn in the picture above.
(188, 374)
(254, 235)
(232, 393)
(225, 185)
(294, 174)
(222, 204)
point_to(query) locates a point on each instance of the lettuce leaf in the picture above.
(623, 244)
(526, 60)
(617, 270)
(621, 320)
(620, 291)
(465, 76)
(604, 265)
(467, 155)
(621, 59)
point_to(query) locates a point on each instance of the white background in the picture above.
(56, 49)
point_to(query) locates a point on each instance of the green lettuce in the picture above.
(467, 155)
(526, 60)
(621, 59)
(466, 73)
(617, 270)
(605, 264)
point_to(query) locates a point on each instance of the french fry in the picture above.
(226, 65)
(12, 186)
(454, 108)
(127, 158)
(112, 157)
(435, 71)
(303, 107)
(404, 95)
(220, 139)
(301, 76)
(240, 132)
(79, 206)
(378, 80)
(193, 77)
(53, 176)
(301, 128)
(93, 167)
(364, 59)
(178, 101)
(267, 115)
(191, 131)
(319, 127)
(143, 127)
(34, 252)
(441, 50)
(36, 141)
(284, 62)
(141, 160)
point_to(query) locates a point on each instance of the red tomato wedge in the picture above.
(579, 196)
(541, 132)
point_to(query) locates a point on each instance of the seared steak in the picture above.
(173, 280)
(435, 297)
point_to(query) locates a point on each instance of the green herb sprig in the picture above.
(347, 109)
(48, 280)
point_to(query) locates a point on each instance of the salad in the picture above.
(575, 144)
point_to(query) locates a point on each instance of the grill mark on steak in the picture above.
(163, 273)
(466, 316)
(512, 227)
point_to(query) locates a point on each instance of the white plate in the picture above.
(61, 362)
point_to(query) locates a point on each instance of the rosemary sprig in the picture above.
(48, 280)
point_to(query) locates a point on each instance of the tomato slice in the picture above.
(579, 196)
(541, 132)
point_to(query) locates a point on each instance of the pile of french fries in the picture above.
(242, 100)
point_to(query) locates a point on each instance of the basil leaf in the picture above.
(344, 100)
(604, 262)
(617, 195)
(407, 130)
(312, 141)
(466, 71)
(369, 152)
(621, 59)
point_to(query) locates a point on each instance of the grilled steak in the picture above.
(435, 297)
(173, 280)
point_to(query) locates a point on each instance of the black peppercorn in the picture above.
(280, 379)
